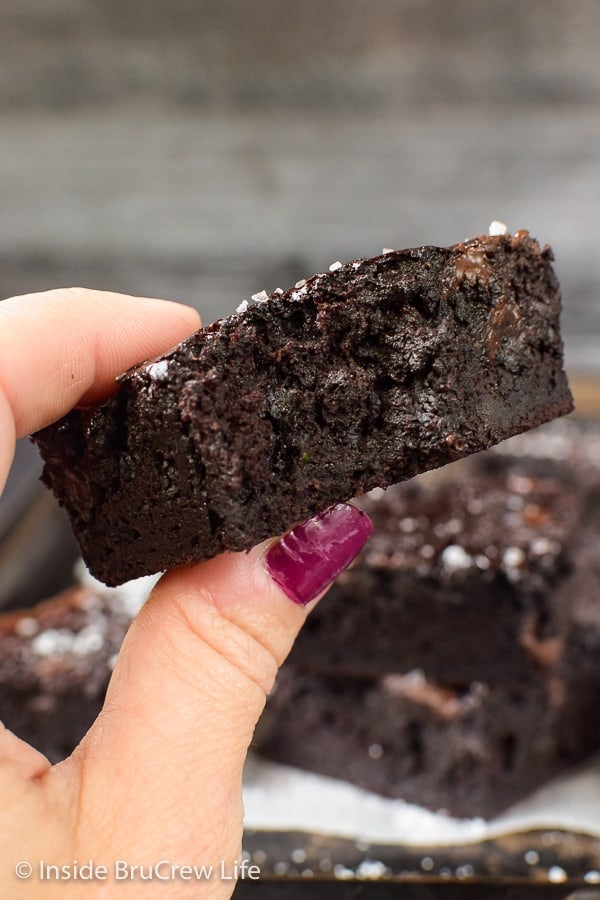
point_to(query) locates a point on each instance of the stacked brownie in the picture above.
(55, 663)
(455, 664)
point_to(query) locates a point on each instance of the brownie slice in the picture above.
(579, 600)
(360, 377)
(55, 663)
(469, 575)
(471, 751)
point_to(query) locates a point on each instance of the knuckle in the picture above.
(247, 657)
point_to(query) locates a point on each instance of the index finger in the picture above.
(65, 347)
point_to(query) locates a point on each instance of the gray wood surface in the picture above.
(206, 150)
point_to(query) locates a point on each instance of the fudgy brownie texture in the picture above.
(465, 746)
(360, 377)
(468, 575)
(455, 665)
(472, 751)
(579, 601)
(55, 663)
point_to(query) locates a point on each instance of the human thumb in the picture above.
(160, 772)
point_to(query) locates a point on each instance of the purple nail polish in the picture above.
(309, 557)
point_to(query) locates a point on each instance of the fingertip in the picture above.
(96, 335)
(176, 310)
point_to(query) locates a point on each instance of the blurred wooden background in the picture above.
(204, 150)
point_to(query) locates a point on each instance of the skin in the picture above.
(158, 776)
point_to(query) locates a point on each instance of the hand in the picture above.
(158, 776)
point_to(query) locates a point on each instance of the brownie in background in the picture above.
(523, 634)
(470, 751)
(466, 576)
(55, 663)
(455, 664)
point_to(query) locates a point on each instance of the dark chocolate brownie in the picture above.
(55, 663)
(360, 377)
(470, 748)
(579, 600)
(472, 751)
(499, 621)
(468, 576)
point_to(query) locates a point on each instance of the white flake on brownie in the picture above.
(408, 525)
(26, 627)
(520, 484)
(541, 546)
(56, 642)
(258, 298)
(375, 751)
(159, 371)
(300, 292)
(497, 228)
(455, 558)
(513, 560)
(513, 557)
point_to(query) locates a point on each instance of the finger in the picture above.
(65, 347)
(190, 684)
